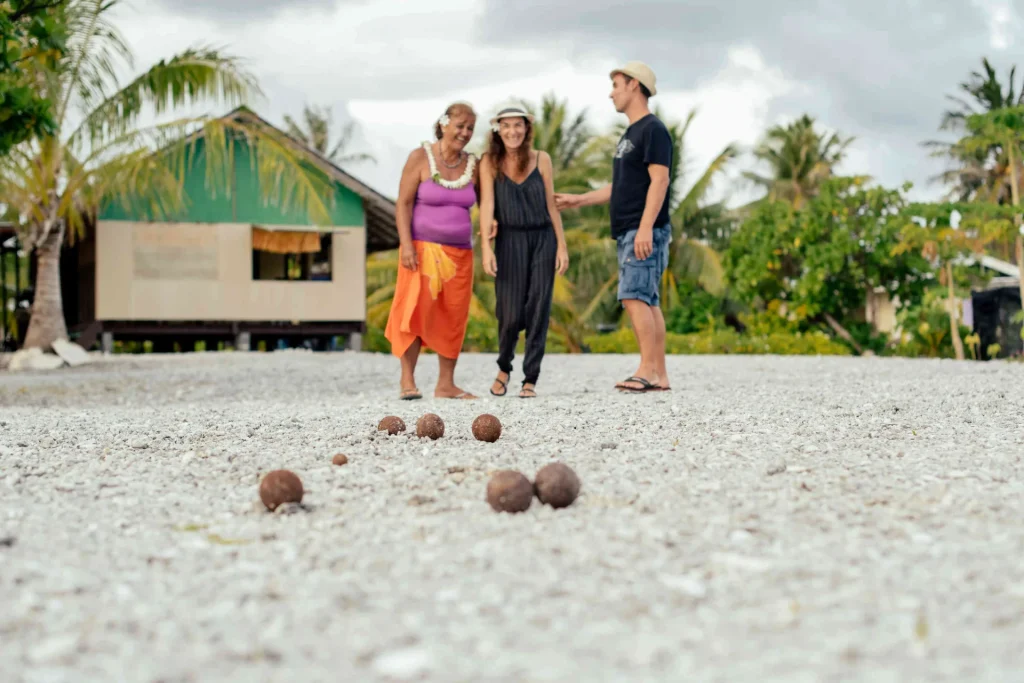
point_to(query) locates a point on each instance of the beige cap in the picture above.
(640, 72)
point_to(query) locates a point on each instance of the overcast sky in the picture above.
(878, 70)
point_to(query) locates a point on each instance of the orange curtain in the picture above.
(285, 241)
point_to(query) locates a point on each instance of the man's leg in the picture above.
(645, 327)
(659, 348)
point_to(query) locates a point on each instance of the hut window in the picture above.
(291, 255)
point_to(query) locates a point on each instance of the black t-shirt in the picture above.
(645, 142)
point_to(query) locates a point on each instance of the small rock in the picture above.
(73, 354)
(139, 444)
(404, 664)
(777, 467)
(340, 459)
(34, 359)
(458, 477)
(609, 446)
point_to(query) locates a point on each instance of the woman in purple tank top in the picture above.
(435, 279)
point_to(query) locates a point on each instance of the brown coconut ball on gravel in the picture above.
(557, 485)
(430, 426)
(486, 428)
(280, 487)
(509, 491)
(392, 424)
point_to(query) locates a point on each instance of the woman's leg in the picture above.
(446, 380)
(543, 250)
(510, 288)
(409, 358)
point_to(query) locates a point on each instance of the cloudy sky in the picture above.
(878, 70)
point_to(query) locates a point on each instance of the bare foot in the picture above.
(500, 386)
(409, 392)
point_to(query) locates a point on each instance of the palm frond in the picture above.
(197, 75)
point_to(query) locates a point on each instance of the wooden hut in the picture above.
(231, 268)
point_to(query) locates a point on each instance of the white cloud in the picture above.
(1003, 22)
(393, 66)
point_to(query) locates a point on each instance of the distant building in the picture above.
(231, 268)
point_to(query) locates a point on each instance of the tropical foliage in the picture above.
(794, 271)
(99, 149)
(32, 35)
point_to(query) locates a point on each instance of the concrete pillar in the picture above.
(242, 341)
(355, 342)
(107, 342)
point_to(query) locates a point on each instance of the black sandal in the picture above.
(644, 385)
(504, 387)
(531, 391)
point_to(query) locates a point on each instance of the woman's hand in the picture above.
(407, 256)
(494, 230)
(562, 259)
(490, 263)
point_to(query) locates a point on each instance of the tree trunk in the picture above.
(47, 323)
(843, 332)
(1019, 240)
(954, 318)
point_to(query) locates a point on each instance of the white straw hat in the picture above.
(512, 111)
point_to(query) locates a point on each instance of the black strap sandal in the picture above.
(410, 394)
(644, 385)
(504, 388)
(527, 393)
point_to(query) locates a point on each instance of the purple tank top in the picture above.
(441, 215)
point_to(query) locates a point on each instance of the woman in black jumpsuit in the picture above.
(517, 191)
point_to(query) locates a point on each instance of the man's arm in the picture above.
(602, 195)
(643, 245)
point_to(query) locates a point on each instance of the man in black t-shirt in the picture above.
(638, 198)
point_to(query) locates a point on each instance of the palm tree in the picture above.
(800, 159)
(317, 136)
(100, 152)
(983, 171)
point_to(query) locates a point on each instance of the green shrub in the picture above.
(697, 310)
(726, 341)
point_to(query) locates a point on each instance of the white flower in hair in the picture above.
(444, 120)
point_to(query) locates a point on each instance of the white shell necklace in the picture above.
(435, 175)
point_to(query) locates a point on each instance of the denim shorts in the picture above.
(642, 279)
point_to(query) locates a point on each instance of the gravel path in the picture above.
(795, 519)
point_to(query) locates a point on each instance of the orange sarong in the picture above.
(432, 302)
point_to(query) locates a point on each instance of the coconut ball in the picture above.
(487, 428)
(392, 424)
(430, 426)
(340, 459)
(557, 485)
(279, 487)
(509, 491)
